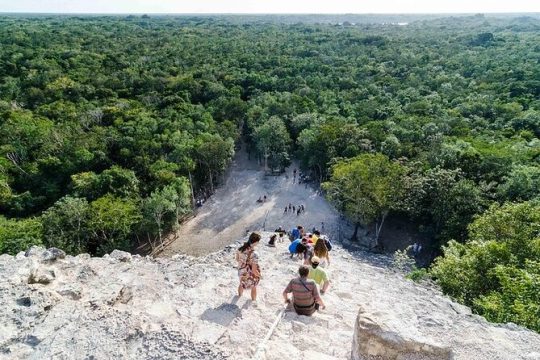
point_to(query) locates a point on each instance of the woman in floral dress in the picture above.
(249, 271)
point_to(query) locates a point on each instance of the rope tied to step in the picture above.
(262, 345)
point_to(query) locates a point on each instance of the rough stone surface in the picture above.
(53, 254)
(373, 338)
(40, 275)
(34, 250)
(121, 255)
(186, 308)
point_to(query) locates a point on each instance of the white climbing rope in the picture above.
(262, 345)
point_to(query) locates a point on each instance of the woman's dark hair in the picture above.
(320, 249)
(253, 238)
(301, 248)
(303, 271)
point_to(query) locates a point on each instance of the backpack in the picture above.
(328, 244)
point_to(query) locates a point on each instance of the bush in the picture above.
(518, 301)
(65, 225)
(497, 271)
(19, 235)
(418, 274)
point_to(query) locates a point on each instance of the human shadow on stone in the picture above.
(223, 315)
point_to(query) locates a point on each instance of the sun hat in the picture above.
(315, 260)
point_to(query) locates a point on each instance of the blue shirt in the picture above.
(294, 244)
(295, 233)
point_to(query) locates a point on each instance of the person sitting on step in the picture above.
(318, 275)
(305, 295)
(272, 242)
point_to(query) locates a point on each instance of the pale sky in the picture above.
(269, 6)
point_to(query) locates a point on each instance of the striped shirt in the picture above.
(303, 295)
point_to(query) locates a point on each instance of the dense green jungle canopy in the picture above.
(108, 123)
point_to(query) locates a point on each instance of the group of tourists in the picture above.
(306, 245)
(416, 249)
(294, 209)
(312, 281)
(302, 178)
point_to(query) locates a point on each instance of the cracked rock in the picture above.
(41, 276)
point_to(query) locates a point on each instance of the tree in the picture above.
(272, 142)
(328, 139)
(160, 203)
(19, 235)
(521, 184)
(119, 182)
(65, 225)
(301, 122)
(86, 184)
(182, 200)
(366, 188)
(442, 201)
(182, 145)
(529, 120)
(163, 171)
(129, 117)
(214, 153)
(518, 299)
(116, 181)
(496, 270)
(482, 39)
(111, 221)
(5, 189)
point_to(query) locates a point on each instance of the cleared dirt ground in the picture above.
(233, 210)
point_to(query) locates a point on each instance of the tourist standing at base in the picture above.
(249, 271)
(305, 295)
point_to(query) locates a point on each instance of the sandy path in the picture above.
(233, 210)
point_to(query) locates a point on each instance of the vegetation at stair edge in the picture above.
(111, 127)
(497, 271)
